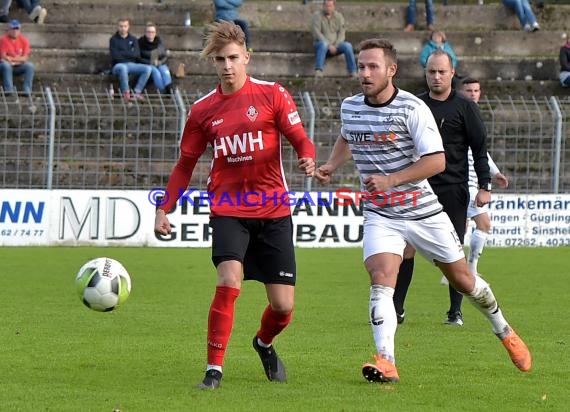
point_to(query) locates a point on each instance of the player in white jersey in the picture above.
(479, 214)
(396, 146)
(471, 89)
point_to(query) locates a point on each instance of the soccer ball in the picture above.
(103, 284)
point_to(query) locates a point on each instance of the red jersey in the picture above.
(20, 46)
(243, 128)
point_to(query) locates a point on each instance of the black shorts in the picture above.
(455, 200)
(263, 246)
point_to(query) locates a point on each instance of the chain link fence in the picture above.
(85, 139)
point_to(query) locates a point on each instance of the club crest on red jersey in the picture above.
(252, 113)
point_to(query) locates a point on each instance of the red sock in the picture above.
(272, 323)
(220, 323)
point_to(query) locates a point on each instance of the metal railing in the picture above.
(85, 139)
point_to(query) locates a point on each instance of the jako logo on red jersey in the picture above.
(237, 145)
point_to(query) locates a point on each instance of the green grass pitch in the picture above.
(57, 355)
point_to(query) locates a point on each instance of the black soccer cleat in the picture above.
(454, 319)
(400, 317)
(274, 368)
(211, 380)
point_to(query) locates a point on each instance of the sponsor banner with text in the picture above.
(321, 219)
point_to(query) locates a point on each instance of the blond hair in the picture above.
(219, 35)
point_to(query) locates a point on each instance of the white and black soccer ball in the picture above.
(103, 284)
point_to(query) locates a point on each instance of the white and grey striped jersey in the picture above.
(387, 138)
(473, 181)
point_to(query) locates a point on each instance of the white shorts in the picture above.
(434, 237)
(472, 209)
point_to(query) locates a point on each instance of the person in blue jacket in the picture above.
(437, 41)
(228, 10)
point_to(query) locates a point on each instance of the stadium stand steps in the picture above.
(283, 44)
(269, 64)
(70, 52)
(329, 85)
(294, 15)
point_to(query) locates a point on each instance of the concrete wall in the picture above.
(73, 43)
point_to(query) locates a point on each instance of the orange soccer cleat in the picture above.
(382, 371)
(519, 353)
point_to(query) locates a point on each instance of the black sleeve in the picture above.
(114, 51)
(137, 51)
(477, 140)
(564, 59)
(162, 54)
(145, 53)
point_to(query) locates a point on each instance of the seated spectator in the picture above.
(35, 11)
(14, 54)
(524, 13)
(411, 15)
(565, 64)
(227, 10)
(153, 52)
(125, 58)
(4, 10)
(329, 38)
(437, 41)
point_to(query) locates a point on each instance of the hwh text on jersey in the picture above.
(236, 144)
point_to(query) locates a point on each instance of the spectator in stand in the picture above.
(524, 13)
(126, 60)
(35, 11)
(4, 10)
(329, 38)
(438, 41)
(153, 53)
(227, 10)
(565, 64)
(411, 15)
(14, 54)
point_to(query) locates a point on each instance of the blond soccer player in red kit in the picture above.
(242, 121)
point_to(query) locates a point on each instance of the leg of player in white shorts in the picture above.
(434, 238)
(480, 216)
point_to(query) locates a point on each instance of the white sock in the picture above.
(263, 344)
(215, 367)
(383, 320)
(476, 245)
(483, 298)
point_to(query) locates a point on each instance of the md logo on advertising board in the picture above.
(93, 218)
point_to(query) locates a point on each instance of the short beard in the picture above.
(376, 91)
